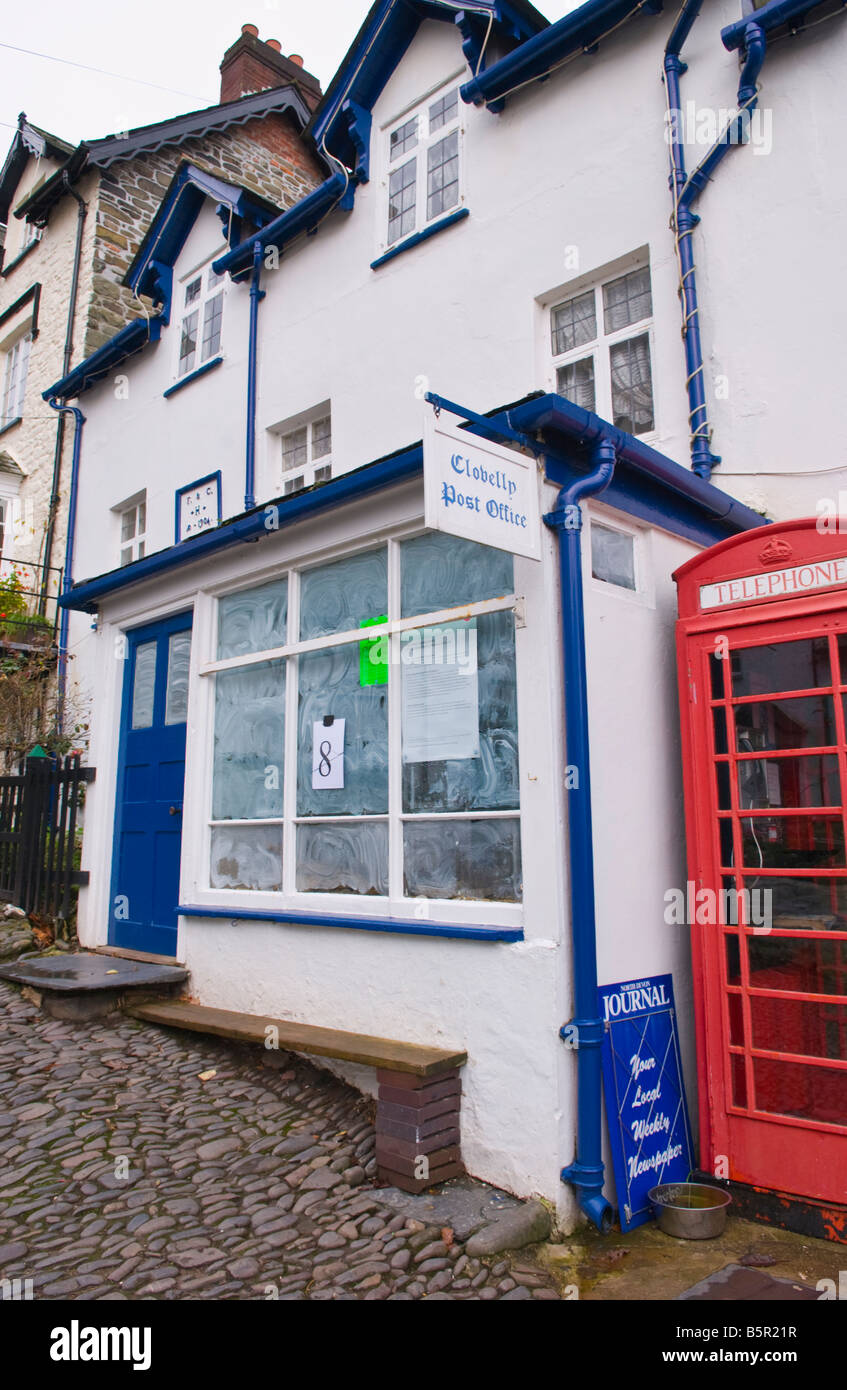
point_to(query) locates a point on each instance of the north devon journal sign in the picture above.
(645, 1095)
(480, 491)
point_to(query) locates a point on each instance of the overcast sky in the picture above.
(177, 46)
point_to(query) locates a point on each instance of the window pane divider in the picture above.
(292, 725)
(359, 634)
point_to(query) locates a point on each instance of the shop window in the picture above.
(307, 455)
(423, 154)
(399, 776)
(14, 379)
(202, 320)
(601, 354)
(132, 518)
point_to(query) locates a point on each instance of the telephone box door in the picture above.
(764, 695)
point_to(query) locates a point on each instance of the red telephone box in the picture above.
(762, 648)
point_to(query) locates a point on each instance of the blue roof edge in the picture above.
(130, 339)
(715, 514)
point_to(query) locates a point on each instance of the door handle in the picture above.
(174, 810)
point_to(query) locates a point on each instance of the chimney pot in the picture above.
(250, 29)
(295, 58)
(274, 44)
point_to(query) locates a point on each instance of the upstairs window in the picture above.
(133, 523)
(14, 379)
(424, 166)
(307, 455)
(600, 343)
(202, 317)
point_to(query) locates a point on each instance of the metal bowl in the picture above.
(690, 1210)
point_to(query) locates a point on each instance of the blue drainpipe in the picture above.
(685, 190)
(586, 1172)
(67, 578)
(256, 296)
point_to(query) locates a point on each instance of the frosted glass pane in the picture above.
(612, 556)
(330, 684)
(144, 685)
(338, 597)
(441, 571)
(343, 859)
(249, 742)
(247, 857)
(179, 657)
(488, 782)
(255, 620)
(479, 859)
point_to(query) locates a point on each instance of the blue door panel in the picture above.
(148, 815)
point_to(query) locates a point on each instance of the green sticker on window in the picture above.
(373, 655)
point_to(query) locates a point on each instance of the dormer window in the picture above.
(202, 317)
(423, 153)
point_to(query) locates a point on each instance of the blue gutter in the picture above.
(586, 428)
(582, 29)
(129, 340)
(586, 1173)
(768, 18)
(303, 217)
(747, 34)
(256, 297)
(67, 578)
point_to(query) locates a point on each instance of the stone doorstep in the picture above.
(85, 986)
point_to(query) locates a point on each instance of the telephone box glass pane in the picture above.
(736, 1019)
(798, 966)
(792, 1088)
(808, 1029)
(802, 665)
(805, 904)
(767, 782)
(792, 842)
(739, 1081)
(807, 722)
(733, 960)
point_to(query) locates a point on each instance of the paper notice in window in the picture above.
(328, 755)
(440, 693)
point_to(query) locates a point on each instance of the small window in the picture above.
(424, 167)
(202, 320)
(307, 455)
(613, 556)
(14, 379)
(2, 525)
(133, 524)
(599, 363)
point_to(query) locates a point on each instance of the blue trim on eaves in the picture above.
(418, 237)
(395, 925)
(647, 485)
(252, 526)
(192, 376)
(129, 340)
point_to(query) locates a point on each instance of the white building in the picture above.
(517, 255)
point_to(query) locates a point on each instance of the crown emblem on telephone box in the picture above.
(775, 551)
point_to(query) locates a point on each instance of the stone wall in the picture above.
(266, 155)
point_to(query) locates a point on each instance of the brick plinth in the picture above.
(418, 1141)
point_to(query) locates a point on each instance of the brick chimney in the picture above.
(252, 65)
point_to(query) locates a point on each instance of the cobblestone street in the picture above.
(139, 1163)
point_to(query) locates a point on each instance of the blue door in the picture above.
(151, 776)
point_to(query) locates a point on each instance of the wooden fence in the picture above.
(39, 814)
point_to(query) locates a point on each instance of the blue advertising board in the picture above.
(645, 1094)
